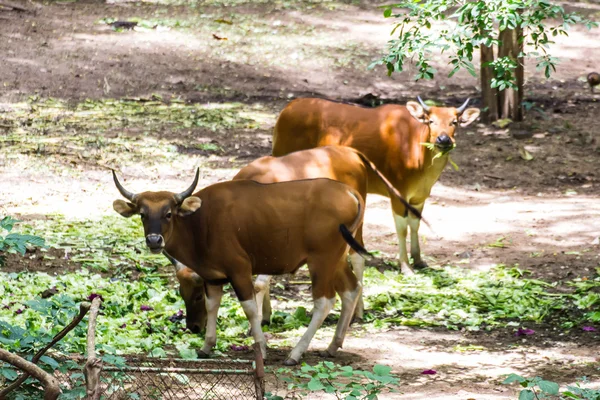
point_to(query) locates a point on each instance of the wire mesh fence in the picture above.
(166, 379)
(181, 379)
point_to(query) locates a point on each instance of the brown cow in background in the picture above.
(392, 137)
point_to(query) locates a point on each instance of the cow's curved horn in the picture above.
(126, 193)
(425, 106)
(188, 192)
(462, 108)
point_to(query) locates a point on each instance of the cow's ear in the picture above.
(416, 110)
(125, 209)
(468, 116)
(189, 206)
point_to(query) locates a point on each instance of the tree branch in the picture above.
(93, 366)
(83, 309)
(14, 6)
(51, 387)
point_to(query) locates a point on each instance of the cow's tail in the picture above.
(347, 232)
(354, 245)
(391, 189)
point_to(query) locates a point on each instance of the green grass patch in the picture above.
(117, 132)
(455, 298)
(27, 321)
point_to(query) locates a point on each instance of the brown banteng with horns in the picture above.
(408, 144)
(339, 163)
(229, 231)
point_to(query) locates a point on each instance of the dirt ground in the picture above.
(544, 211)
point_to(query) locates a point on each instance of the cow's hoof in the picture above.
(357, 320)
(406, 270)
(420, 265)
(290, 362)
(202, 354)
(265, 322)
(326, 354)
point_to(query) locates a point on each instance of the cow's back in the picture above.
(387, 135)
(339, 163)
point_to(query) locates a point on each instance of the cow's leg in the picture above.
(322, 307)
(213, 301)
(323, 291)
(263, 300)
(415, 250)
(349, 290)
(401, 229)
(244, 289)
(358, 266)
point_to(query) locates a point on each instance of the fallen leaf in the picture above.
(223, 21)
(502, 123)
(219, 37)
(525, 155)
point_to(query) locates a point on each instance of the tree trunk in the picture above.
(511, 100)
(489, 95)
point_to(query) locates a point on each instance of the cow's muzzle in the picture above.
(155, 243)
(195, 327)
(443, 142)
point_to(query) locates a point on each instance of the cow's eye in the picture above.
(142, 215)
(168, 215)
(454, 123)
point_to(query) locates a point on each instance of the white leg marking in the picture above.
(321, 309)
(263, 300)
(251, 311)
(349, 299)
(358, 266)
(213, 301)
(414, 223)
(402, 230)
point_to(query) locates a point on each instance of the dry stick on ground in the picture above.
(83, 309)
(51, 388)
(93, 366)
(14, 6)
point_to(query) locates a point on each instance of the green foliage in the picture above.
(538, 388)
(343, 382)
(123, 326)
(456, 298)
(460, 27)
(104, 244)
(13, 242)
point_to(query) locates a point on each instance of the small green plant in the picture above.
(11, 242)
(538, 388)
(343, 382)
(441, 153)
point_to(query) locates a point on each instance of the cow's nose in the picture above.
(154, 240)
(195, 328)
(443, 140)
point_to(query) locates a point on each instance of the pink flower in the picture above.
(524, 332)
(146, 308)
(94, 295)
(429, 372)
(123, 326)
(235, 347)
(589, 329)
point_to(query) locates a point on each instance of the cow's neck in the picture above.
(181, 244)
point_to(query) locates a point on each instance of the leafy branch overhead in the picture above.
(458, 27)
